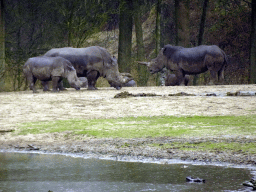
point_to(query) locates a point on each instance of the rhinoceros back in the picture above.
(81, 58)
(44, 68)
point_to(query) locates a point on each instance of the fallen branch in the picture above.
(6, 130)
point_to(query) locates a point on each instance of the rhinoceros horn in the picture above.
(143, 63)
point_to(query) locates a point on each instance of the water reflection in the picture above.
(41, 172)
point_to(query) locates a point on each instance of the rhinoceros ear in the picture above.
(114, 60)
(164, 51)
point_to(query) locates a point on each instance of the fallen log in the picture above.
(6, 130)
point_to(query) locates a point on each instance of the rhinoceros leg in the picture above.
(45, 85)
(213, 79)
(32, 81)
(61, 87)
(92, 79)
(186, 80)
(55, 83)
(180, 78)
(221, 76)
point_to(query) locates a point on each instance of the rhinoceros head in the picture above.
(72, 78)
(157, 64)
(111, 73)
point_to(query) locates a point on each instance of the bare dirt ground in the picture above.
(24, 106)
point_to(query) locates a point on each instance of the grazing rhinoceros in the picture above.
(190, 61)
(91, 62)
(172, 80)
(50, 69)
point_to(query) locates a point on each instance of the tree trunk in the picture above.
(142, 70)
(157, 32)
(253, 45)
(200, 37)
(158, 36)
(182, 22)
(2, 45)
(125, 36)
(202, 23)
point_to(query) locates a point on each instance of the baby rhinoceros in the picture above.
(50, 69)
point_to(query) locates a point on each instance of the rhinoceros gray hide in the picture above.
(190, 61)
(50, 69)
(91, 62)
(172, 80)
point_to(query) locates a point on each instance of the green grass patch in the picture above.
(138, 127)
(212, 146)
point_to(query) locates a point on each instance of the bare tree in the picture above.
(125, 35)
(253, 45)
(200, 36)
(2, 44)
(142, 70)
(157, 32)
(202, 23)
(182, 22)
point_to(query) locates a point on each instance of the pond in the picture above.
(55, 172)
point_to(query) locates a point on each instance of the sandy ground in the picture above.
(24, 106)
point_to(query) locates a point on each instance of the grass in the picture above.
(163, 126)
(141, 127)
(212, 146)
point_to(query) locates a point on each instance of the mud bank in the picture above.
(133, 149)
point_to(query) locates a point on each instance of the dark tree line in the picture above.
(31, 27)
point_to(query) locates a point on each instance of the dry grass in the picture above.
(24, 106)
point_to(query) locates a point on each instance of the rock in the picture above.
(251, 183)
(182, 94)
(126, 94)
(194, 180)
(211, 94)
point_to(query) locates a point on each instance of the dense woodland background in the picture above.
(131, 30)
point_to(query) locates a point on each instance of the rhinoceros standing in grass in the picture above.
(50, 69)
(92, 62)
(190, 61)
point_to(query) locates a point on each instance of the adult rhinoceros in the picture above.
(190, 61)
(91, 62)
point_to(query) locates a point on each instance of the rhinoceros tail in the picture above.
(225, 59)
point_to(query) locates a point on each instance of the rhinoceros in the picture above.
(190, 61)
(172, 80)
(91, 62)
(50, 69)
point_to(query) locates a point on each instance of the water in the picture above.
(41, 172)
